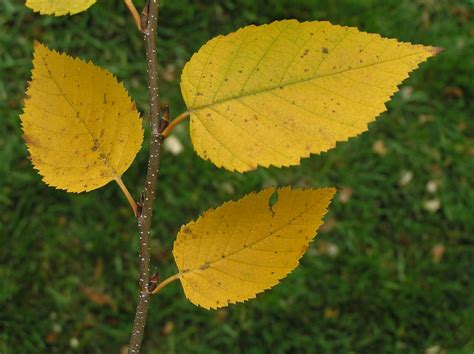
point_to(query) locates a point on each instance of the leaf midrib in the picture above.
(105, 160)
(291, 83)
(209, 263)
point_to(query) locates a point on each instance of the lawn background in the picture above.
(389, 273)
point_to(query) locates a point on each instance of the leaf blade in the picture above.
(59, 7)
(242, 248)
(81, 128)
(272, 94)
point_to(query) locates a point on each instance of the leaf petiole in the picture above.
(134, 12)
(131, 201)
(174, 123)
(164, 283)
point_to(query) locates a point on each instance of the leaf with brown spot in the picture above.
(273, 94)
(242, 248)
(77, 140)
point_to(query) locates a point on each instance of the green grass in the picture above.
(382, 293)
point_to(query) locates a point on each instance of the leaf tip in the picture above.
(332, 190)
(436, 50)
(38, 46)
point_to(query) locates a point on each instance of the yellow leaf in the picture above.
(81, 127)
(59, 7)
(272, 94)
(243, 248)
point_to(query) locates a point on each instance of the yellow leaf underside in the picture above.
(272, 94)
(243, 248)
(59, 7)
(81, 127)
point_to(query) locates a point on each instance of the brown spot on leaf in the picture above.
(305, 53)
(204, 266)
(29, 140)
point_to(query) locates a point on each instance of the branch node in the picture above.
(153, 283)
(174, 123)
(144, 18)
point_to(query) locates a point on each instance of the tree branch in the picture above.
(149, 21)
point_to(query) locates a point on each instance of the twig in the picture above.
(149, 22)
(175, 122)
(133, 11)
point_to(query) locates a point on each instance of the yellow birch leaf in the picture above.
(272, 94)
(59, 7)
(81, 127)
(243, 248)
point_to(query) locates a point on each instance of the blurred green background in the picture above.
(392, 269)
